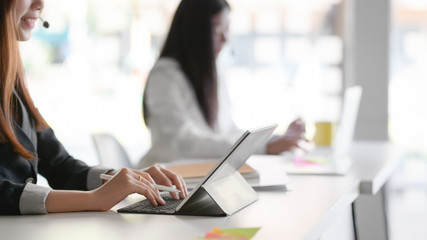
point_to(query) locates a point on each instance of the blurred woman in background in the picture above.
(184, 103)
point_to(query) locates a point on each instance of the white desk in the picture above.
(376, 162)
(304, 212)
(301, 214)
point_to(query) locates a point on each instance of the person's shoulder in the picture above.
(166, 64)
(167, 70)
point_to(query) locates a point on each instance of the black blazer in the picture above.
(52, 161)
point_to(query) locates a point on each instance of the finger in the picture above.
(159, 176)
(298, 124)
(144, 178)
(306, 145)
(297, 129)
(144, 175)
(148, 183)
(182, 187)
(154, 198)
(299, 121)
(177, 180)
(292, 137)
(290, 142)
(165, 179)
(168, 178)
(162, 179)
(142, 185)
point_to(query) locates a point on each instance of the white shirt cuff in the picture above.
(33, 199)
(93, 179)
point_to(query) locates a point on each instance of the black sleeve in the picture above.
(60, 169)
(10, 195)
(13, 172)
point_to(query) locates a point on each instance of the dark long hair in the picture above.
(190, 43)
(12, 77)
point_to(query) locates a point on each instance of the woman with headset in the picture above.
(28, 145)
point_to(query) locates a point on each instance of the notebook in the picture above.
(260, 178)
(332, 160)
(223, 191)
(194, 170)
(197, 170)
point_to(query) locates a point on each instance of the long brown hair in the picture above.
(12, 77)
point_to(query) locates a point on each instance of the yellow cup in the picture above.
(325, 132)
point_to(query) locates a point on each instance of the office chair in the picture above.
(110, 152)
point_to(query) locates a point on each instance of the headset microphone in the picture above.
(45, 23)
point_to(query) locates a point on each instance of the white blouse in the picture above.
(178, 128)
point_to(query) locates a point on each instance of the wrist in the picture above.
(71, 201)
(101, 199)
(92, 202)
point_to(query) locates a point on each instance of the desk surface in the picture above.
(303, 212)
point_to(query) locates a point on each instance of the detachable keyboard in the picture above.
(145, 206)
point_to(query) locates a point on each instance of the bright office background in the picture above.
(284, 60)
(87, 72)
